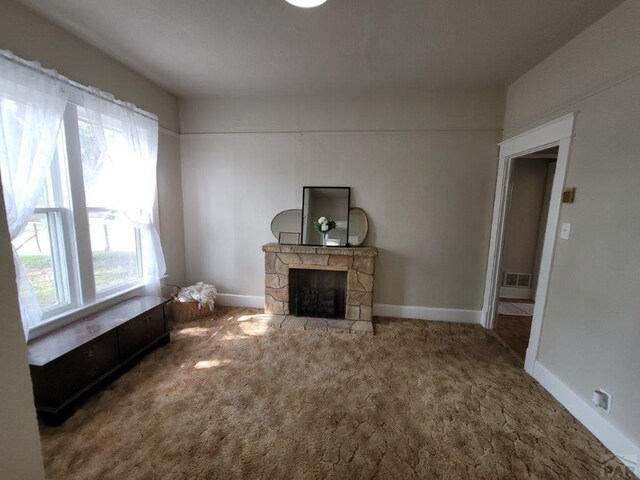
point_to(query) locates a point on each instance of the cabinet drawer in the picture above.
(59, 380)
(140, 332)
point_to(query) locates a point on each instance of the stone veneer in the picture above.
(358, 262)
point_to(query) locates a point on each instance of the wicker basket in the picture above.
(189, 311)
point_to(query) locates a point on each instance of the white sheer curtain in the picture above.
(32, 104)
(125, 174)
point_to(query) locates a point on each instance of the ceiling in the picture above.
(268, 47)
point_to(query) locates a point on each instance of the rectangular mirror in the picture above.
(330, 204)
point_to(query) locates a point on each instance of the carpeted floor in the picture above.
(232, 398)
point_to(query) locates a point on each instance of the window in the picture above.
(43, 245)
(38, 248)
(79, 246)
(115, 240)
(79, 184)
(114, 249)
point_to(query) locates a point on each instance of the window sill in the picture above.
(70, 316)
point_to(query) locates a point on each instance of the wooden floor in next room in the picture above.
(513, 324)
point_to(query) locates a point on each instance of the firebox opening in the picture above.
(317, 293)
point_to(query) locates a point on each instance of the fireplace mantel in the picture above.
(358, 262)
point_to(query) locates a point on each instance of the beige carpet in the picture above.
(231, 398)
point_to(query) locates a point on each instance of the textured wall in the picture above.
(529, 181)
(170, 206)
(34, 38)
(591, 331)
(425, 176)
(20, 456)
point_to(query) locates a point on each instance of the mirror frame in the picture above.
(276, 215)
(304, 189)
(366, 226)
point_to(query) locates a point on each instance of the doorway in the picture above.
(526, 221)
(555, 134)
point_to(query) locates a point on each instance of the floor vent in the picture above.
(511, 279)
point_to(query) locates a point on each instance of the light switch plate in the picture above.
(565, 231)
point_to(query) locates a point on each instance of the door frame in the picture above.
(558, 132)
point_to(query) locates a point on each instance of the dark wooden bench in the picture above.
(71, 362)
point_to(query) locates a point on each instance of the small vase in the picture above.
(324, 239)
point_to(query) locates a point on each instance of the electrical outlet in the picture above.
(601, 399)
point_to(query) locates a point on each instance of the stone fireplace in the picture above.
(358, 263)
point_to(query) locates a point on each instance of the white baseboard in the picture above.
(516, 292)
(381, 310)
(233, 300)
(616, 441)
(427, 313)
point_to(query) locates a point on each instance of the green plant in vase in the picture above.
(324, 226)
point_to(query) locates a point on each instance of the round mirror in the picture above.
(288, 221)
(358, 226)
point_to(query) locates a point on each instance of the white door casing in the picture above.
(559, 133)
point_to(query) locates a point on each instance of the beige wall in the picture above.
(591, 332)
(542, 227)
(32, 37)
(170, 206)
(599, 57)
(529, 181)
(20, 456)
(409, 110)
(426, 181)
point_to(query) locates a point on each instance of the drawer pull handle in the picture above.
(90, 352)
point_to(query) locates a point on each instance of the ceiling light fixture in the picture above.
(306, 3)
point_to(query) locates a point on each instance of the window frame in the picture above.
(58, 240)
(73, 259)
